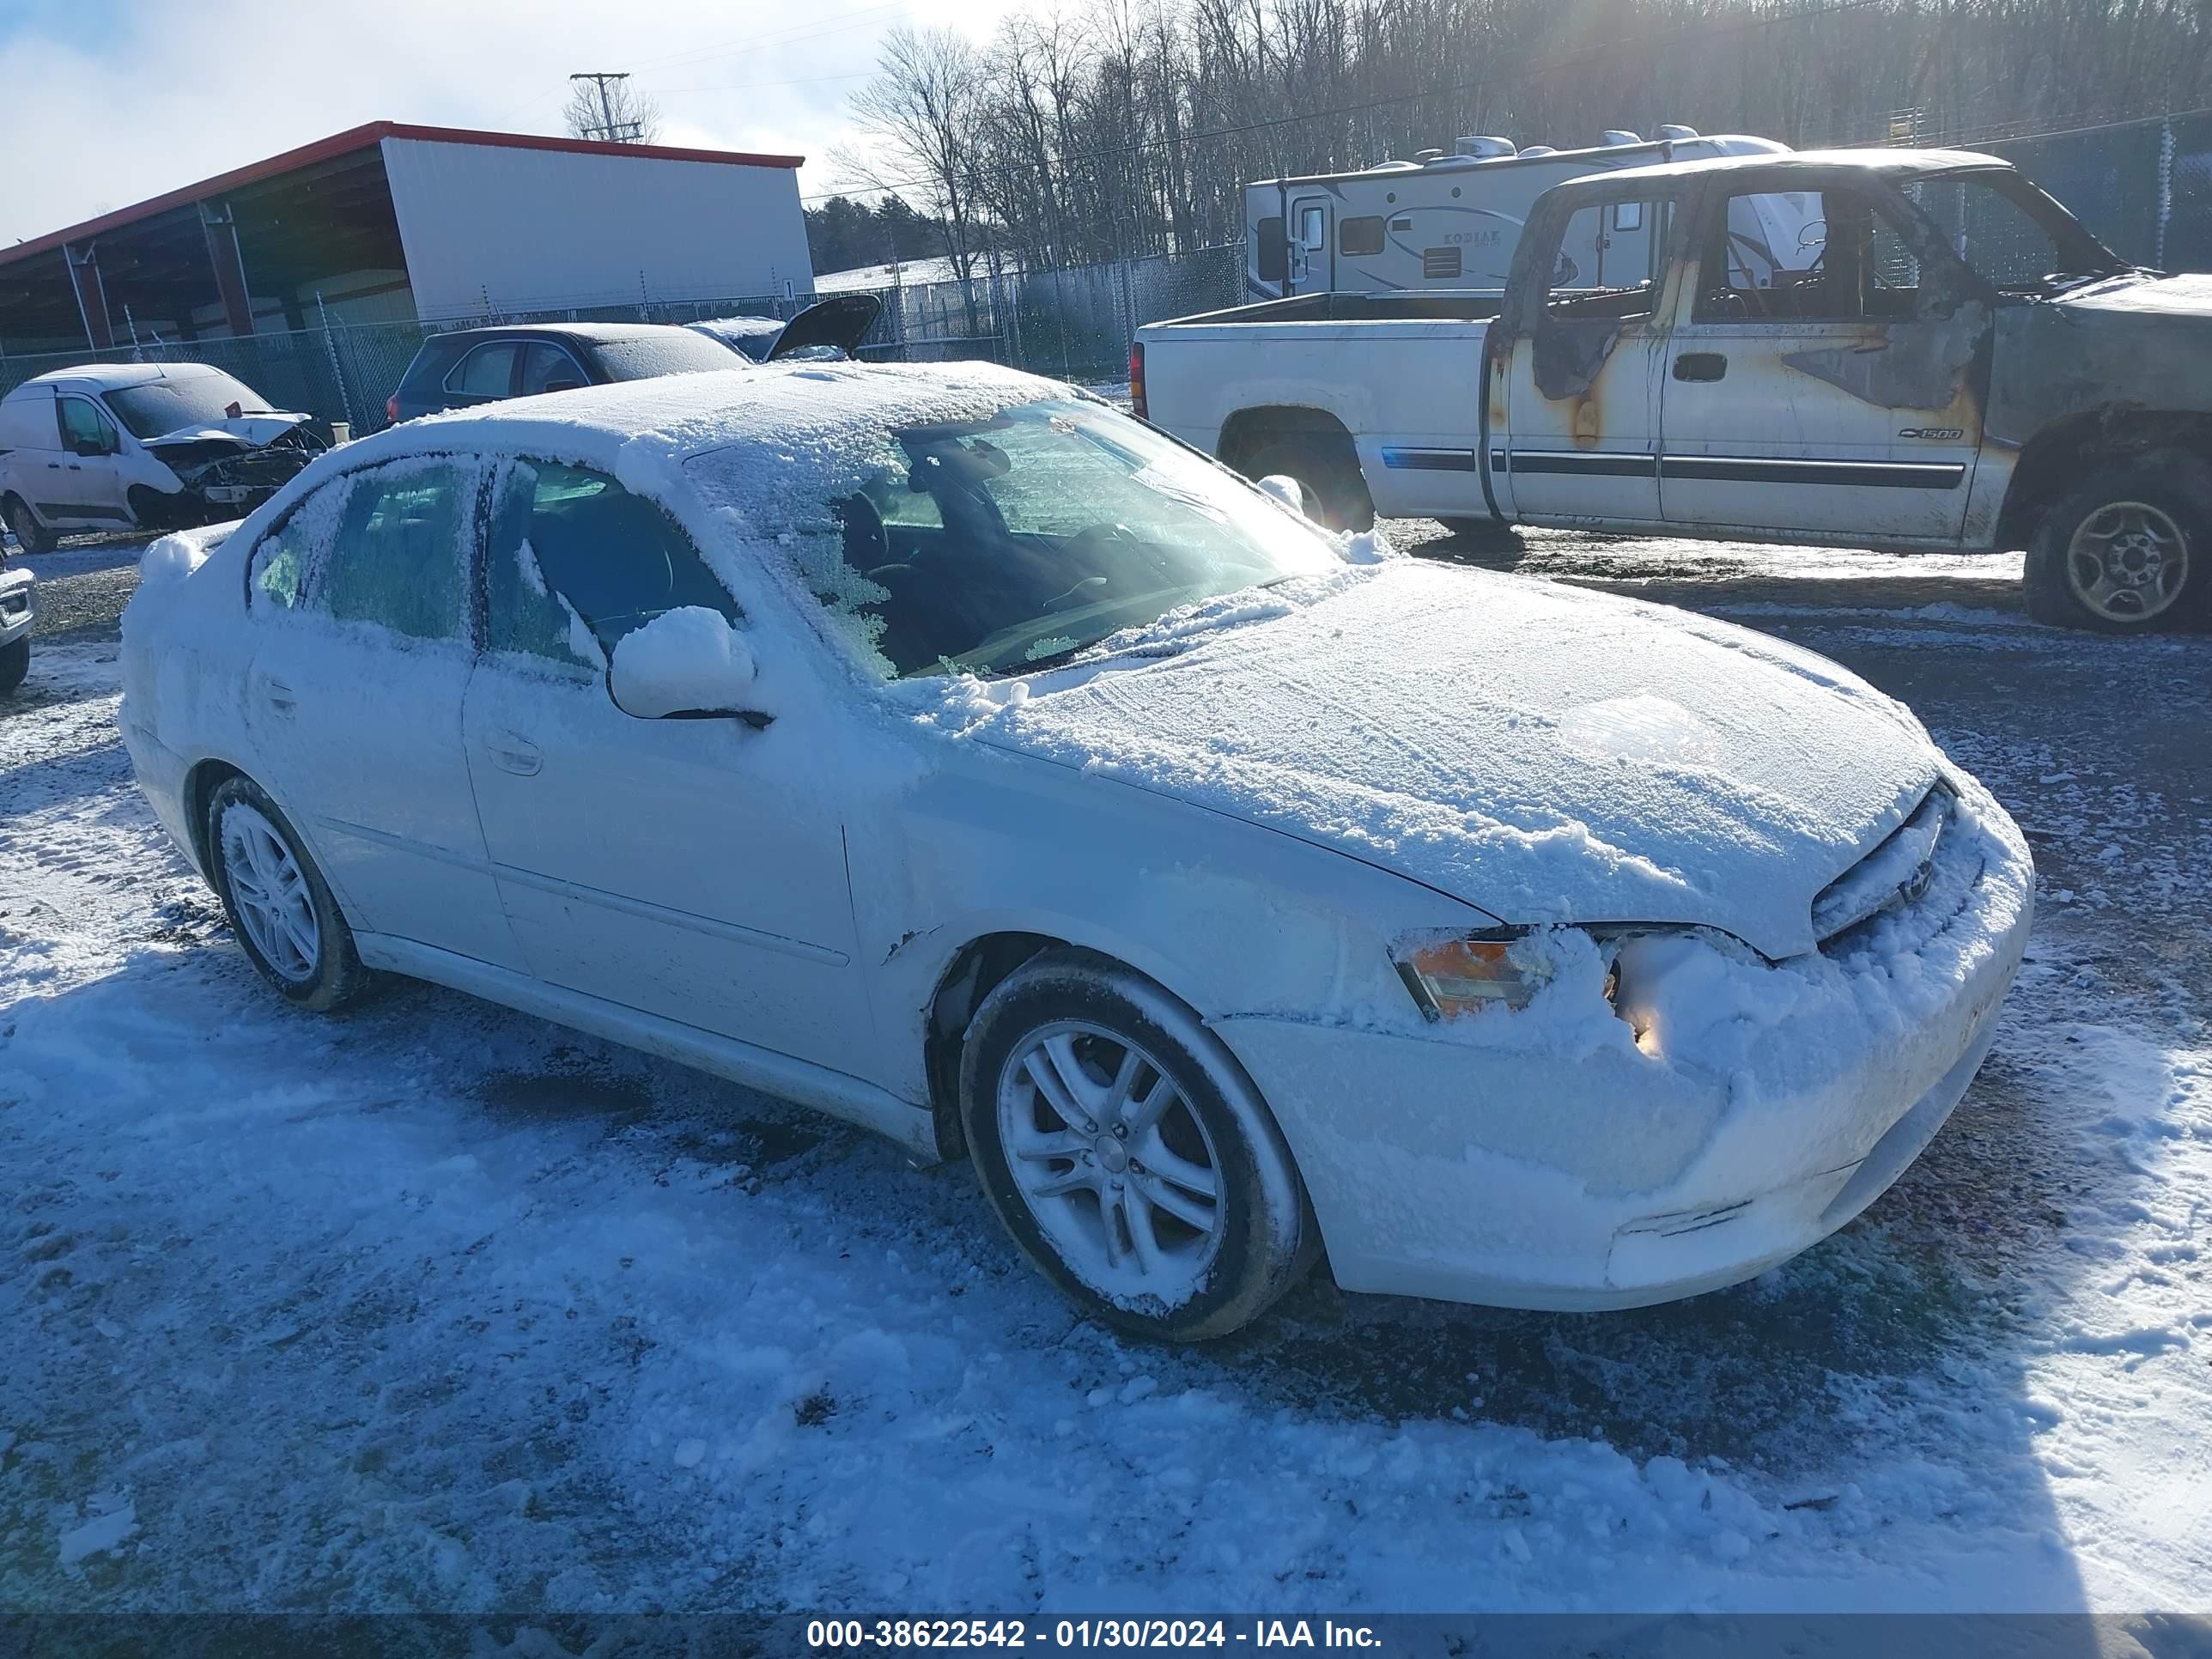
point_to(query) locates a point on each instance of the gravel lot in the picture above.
(1989, 1391)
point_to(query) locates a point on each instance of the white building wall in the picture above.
(543, 229)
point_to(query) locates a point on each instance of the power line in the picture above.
(614, 132)
(1563, 60)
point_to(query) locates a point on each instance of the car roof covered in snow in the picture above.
(109, 376)
(640, 431)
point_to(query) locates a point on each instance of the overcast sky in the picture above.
(106, 102)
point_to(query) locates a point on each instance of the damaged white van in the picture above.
(140, 446)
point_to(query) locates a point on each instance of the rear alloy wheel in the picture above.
(2122, 553)
(278, 904)
(23, 524)
(1127, 1153)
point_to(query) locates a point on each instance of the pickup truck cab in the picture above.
(1945, 360)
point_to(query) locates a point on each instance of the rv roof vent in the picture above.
(1539, 149)
(1676, 129)
(1487, 150)
(1618, 136)
(1427, 155)
(1395, 166)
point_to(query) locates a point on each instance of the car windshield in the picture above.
(1007, 545)
(664, 351)
(155, 407)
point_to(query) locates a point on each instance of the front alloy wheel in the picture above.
(1116, 1169)
(1127, 1151)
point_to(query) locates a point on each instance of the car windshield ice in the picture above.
(156, 407)
(998, 546)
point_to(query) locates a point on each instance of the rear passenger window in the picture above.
(397, 558)
(487, 371)
(1359, 236)
(576, 562)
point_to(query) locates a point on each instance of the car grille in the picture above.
(1893, 877)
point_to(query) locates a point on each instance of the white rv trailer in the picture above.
(1451, 221)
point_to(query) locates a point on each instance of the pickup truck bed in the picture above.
(1398, 374)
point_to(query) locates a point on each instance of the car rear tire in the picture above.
(2125, 552)
(1127, 1153)
(1327, 470)
(15, 663)
(23, 524)
(277, 901)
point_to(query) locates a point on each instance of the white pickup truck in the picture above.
(1946, 360)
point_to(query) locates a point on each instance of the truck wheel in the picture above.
(2125, 553)
(1128, 1154)
(15, 663)
(1328, 472)
(30, 535)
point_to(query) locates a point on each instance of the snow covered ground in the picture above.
(437, 1306)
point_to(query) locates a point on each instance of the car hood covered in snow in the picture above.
(1541, 752)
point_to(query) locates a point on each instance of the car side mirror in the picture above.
(1286, 489)
(685, 664)
(562, 386)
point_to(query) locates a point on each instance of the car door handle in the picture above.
(277, 694)
(1700, 366)
(511, 753)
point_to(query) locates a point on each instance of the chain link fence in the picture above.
(1074, 322)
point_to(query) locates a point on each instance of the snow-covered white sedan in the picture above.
(949, 752)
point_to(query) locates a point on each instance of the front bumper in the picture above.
(17, 610)
(1586, 1173)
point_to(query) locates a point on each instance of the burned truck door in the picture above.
(1826, 372)
(1576, 355)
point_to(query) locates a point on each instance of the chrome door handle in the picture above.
(512, 752)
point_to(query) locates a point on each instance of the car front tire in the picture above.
(2125, 552)
(1126, 1153)
(15, 663)
(279, 906)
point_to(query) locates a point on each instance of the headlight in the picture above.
(1453, 973)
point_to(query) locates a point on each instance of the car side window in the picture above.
(86, 430)
(397, 556)
(279, 574)
(575, 561)
(550, 368)
(486, 372)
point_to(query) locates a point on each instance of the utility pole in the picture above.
(614, 132)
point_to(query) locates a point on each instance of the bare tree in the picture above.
(1090, 129)
(602, 105)
(924, 113)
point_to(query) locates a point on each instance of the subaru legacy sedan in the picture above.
(947, 752)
